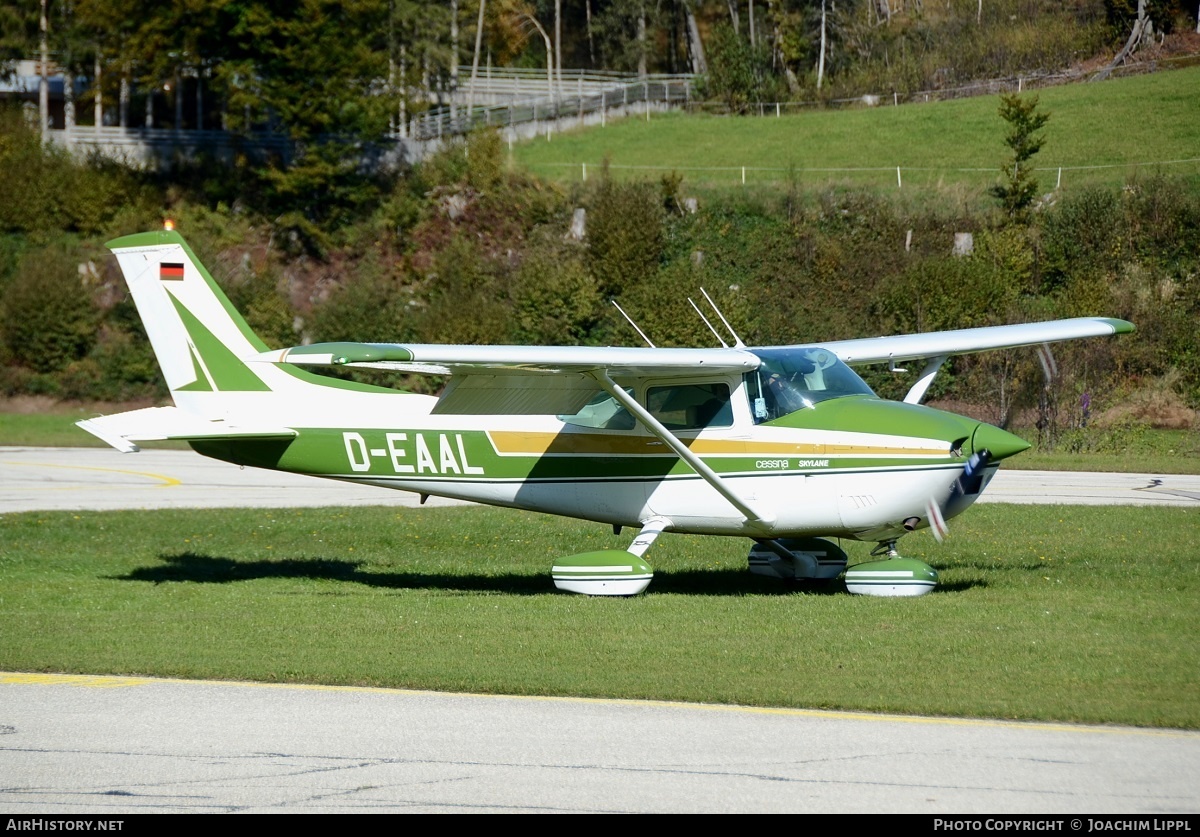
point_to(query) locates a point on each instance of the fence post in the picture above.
(584, 172)
(743, 175)
(899, 183)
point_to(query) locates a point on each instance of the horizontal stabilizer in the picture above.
(158, 424)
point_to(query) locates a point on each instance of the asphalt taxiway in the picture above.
(40, 479)
(116, 745)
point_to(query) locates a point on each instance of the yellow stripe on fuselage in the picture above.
(529, 443)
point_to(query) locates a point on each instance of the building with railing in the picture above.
(520, 103)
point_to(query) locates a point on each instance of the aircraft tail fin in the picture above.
(200, 341)
(207, 354)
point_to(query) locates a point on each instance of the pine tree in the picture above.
(1019, 186)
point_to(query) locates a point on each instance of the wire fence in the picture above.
(899, 175)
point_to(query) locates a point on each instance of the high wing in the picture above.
(643, 362)
(903, 347)
(533, 380)
(938, 346)
(518, 380)
(454, 359)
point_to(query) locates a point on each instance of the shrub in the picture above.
(555, 300)
(48, 319)
(1084, 235)
(624, 234)
(466, 298)
(738, 74)
(43, 188)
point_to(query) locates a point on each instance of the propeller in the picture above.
(968, 484)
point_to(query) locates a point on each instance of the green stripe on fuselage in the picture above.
(468, 455)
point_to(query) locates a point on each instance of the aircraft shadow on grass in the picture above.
(214, 569)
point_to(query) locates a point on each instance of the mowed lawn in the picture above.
(1104, 132)
(1047, 613)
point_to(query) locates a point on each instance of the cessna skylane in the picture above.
(784, 445)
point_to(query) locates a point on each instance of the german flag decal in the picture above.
(170, 270)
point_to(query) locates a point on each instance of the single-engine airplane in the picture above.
(785, 445)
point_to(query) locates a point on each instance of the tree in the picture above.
(738, 73)
(1019, 187)
(626, 30)
(1141, 24)
(18, 34)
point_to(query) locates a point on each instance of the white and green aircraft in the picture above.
(784, 445)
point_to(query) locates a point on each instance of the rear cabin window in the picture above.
(690, 406)
(603, 412)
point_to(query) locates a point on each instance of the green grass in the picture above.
(55, 427)
(1120, 449)
(1049, 613)
(1119, 124)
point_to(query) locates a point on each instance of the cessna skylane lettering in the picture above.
(783, 445)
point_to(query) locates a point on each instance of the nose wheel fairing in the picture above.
(891, 577)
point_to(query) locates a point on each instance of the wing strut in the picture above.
(916, 393)
(753, 517)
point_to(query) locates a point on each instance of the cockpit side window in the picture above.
(795, 379)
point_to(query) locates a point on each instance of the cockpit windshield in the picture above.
(794, 379)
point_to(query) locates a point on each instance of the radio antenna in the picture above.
(737, 341)
(720, 339)
(629, 319)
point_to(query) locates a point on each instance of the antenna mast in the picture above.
(737, 341)
(632, 323)
(720, 339)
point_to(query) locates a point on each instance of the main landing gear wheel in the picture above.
(802, 561)
(893, 576)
